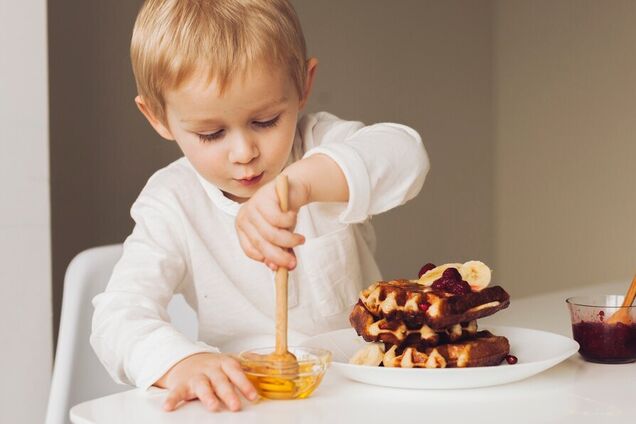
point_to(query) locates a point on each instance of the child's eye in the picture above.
(267, 124)
(206, 138)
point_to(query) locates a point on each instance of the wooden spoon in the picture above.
(282, 360)
(623, 315)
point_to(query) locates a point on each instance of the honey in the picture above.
(272, 386)
(280, 380)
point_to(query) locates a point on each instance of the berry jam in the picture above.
(606, 343)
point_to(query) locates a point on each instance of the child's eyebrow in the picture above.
(256, 109)
(270, 104)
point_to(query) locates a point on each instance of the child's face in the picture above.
(240, 140)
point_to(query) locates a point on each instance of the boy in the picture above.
(226, 80)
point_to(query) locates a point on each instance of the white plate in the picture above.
(536, 350)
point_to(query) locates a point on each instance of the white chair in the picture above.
(77, 373)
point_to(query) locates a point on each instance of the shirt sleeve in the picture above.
(131, 331)
(385, 164)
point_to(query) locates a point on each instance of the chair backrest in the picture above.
(77, 373)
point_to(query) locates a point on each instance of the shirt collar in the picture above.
(215, 194)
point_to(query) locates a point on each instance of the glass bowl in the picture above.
(599, 340)
(273, 381)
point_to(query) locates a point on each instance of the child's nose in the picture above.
(243, 149)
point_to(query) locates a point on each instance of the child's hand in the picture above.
(265, 231)
(211, 377)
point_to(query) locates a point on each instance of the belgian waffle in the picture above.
(484, 349)
(398, 332)
(416, 305)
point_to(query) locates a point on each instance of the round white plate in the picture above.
(536, 350)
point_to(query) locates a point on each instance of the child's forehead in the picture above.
(257, 87)
(248, 77)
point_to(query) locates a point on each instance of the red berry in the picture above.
(511, 359)
(451, 286)
(452, 274)
(426, 268)
(424, 306)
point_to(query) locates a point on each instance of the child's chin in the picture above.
(239, 196)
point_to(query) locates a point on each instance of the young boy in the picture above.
(226, 80)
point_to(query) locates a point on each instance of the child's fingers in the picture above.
(233, 370)
(224, 389)
(203, 390)
(278, 218)
(176, 396)
(277, 236)
(275, 254)
(248, 248)
(271, 265)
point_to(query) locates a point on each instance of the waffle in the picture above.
(484, 349)
(417, 305)
(397, 332)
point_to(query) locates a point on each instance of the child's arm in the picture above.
(372, 168)
(132, 334)
(261, 224)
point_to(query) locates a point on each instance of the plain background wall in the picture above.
(565, 143)
(425, 63)
(25, 255)
(102, 150)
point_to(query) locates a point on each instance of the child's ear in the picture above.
(312, 64)
(156, 123)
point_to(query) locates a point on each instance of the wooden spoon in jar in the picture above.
(623, 315)
(282, 361)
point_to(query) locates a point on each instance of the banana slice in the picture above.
(371, 355)
(429, 277)
(475, 273)
(389, 358)
(435, 360)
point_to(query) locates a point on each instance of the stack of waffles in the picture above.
(431, 322)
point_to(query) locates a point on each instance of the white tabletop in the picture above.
(574, 391)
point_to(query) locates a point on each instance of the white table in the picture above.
(572, 392)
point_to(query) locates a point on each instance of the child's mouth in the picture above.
(252, 180)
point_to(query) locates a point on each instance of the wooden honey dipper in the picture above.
(282, 360)
(623, 315)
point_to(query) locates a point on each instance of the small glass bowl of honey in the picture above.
(275, 380)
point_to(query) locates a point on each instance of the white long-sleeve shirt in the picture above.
(184, 241)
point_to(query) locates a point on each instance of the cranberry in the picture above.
(451, 286)
(511, 359)
(426, 268)
(424, 306)
(452, 274)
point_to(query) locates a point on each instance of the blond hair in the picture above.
(174, 38)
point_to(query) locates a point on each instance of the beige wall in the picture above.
(102, 150)
(426, 64)
(423, 63)
(565, 143)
